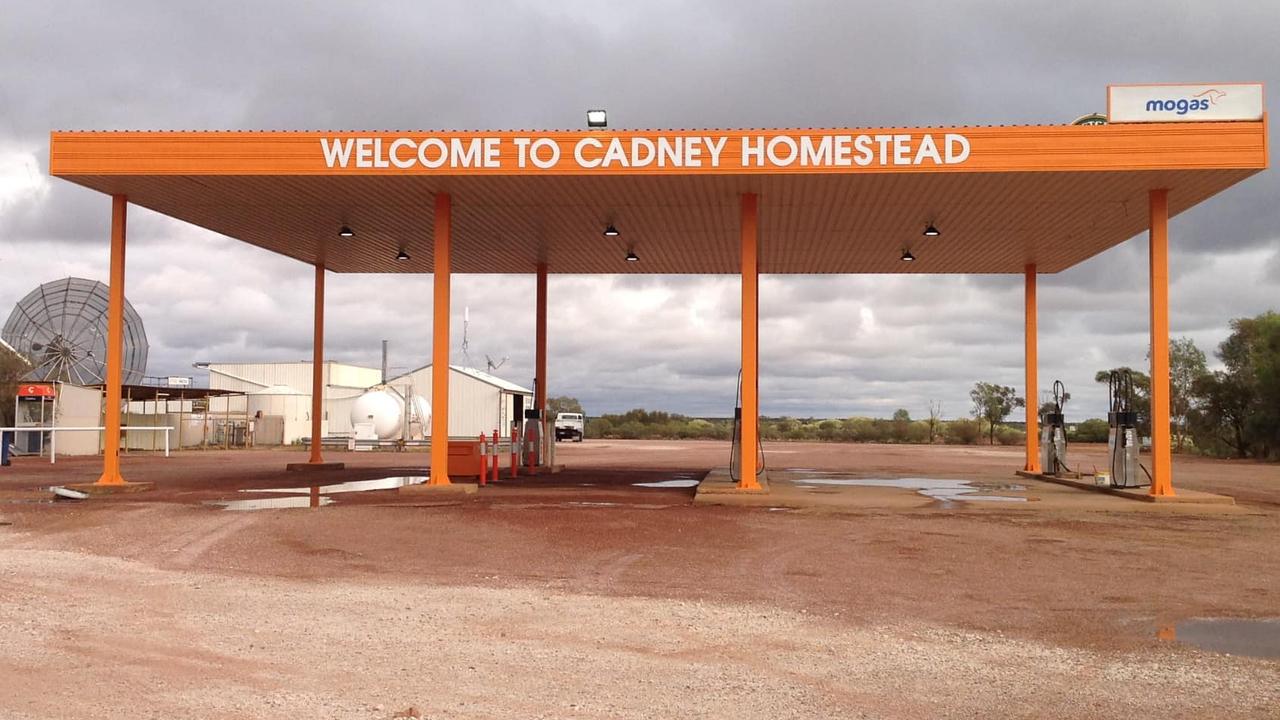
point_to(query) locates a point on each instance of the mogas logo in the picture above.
(1183, 105)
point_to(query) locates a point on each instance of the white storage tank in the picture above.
(383, 408)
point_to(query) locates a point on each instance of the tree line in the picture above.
(1234, 411)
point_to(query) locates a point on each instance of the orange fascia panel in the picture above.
(1221, 145)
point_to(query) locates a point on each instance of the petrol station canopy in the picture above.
(830, 200)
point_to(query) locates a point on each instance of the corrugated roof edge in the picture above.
(574, 130)
(474, 373)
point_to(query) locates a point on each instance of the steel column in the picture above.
(317, 368)
(540, 362)
(1032, 370)
(440, 343)
(750, 343)
(115, 347)
(1161, 459)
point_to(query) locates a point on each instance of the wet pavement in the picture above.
(299, 501)
(941, 489)
(386, 483)
(1251, 637)
(312, 496)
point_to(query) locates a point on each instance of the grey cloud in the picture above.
(829, 344)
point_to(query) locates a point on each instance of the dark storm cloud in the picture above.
(836, 345)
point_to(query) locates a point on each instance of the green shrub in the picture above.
(961, 432)
(1006, 435)
(1091, 430)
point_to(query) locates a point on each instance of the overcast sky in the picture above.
(832, 345)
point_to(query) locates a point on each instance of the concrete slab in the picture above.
(1191, 497)
(450, 489)
(720, 482)
(94, 488)
(315, 466)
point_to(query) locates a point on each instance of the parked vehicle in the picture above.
(570, 426)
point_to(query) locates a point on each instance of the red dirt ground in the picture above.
(1092, 588)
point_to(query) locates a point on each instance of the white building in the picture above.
(478, 402)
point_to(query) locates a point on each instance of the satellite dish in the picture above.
(61, 329)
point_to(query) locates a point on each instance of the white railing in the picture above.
(53, 434)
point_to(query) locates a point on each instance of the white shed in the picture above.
(478, 402)
(293, 406)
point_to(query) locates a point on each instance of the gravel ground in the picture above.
(102, 637)
(580, 595)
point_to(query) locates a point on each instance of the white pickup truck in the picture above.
(570, 426)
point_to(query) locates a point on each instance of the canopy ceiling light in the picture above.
(597, 119)
(402, 255)
(611, 231)
(931, 231)
(632, 256)
(345, 231)
(907, 256)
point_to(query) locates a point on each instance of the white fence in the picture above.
(53, 435)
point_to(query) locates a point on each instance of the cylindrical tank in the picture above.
(381, 407)
(421, 411)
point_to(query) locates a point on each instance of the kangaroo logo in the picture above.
(1213, 95)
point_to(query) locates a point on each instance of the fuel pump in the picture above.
(533, 437)
(735, 469)
(1122, 435)
(1053, 437)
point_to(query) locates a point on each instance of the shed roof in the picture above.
(484, 377)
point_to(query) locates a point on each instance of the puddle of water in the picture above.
(1254, 638)
(302, 501)
(583, 503)
(937, 488)
(677, 483)
(386, 483)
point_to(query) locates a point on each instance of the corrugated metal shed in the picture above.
(250, 377)
(478, 402)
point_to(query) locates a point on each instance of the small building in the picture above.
(478, 401)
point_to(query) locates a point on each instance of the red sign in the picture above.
(36, 391)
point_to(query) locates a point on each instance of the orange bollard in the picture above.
(484, 454)
(495, 455)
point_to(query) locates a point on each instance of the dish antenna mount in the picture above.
(61, 329)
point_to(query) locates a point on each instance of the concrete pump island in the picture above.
(462, 563)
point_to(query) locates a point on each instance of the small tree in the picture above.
(993, 403)
(12, 368)
(1141, 395)
(935, 419)
(563, 403)
(1186, 368)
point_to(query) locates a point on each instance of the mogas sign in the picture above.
(646, 152)
(1184, 103)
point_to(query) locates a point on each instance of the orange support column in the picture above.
(1161, 459)
(750, 343)
(440, 344)
(115, 347)
(1032, 369)
(317, 368)
(540, 361)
